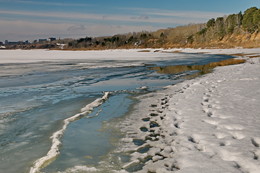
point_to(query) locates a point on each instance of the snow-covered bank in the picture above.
(218, 121)
(255, 51)
(208, 124)
(39, 55)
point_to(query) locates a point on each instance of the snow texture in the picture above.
(208, 124)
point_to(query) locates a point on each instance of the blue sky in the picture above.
(33, 19)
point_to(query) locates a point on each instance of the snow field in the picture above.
(208, 124)
(31, 56)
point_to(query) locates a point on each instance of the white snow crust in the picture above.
(208, 124)
(39, 55)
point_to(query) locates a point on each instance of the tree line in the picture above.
(214, 29)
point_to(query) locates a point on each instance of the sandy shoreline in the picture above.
(208, 124)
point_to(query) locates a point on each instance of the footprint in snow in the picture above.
(208, 112)
(224, 143)
(153, 105)
(256, 154)
(207, 95)
(237, 135)
(256, 142)
(205, 99)
(177, 125)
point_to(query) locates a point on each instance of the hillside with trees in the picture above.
(233, 30)
(241, 29)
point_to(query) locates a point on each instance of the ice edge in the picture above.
(54, 150)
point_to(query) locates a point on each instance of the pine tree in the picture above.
(249, 19)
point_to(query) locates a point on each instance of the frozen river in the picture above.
(40, 89)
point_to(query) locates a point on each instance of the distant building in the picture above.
(1, 43)
(52, 39)
(12, 42)
(42, 40)
(61, 46)
(16, 42)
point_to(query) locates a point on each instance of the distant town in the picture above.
(6, 42)
(51, 42)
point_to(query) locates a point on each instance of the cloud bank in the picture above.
(34, 24)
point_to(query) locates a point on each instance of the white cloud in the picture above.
(54, 14)
(34, 24)
(176, 13)
(23, 30)
(188, 14)
(76, 28)
(48, 3)
(107, 17)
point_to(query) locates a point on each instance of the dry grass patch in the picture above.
(203, 69)
(144, 51)
(254, 56)
(242, 54)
